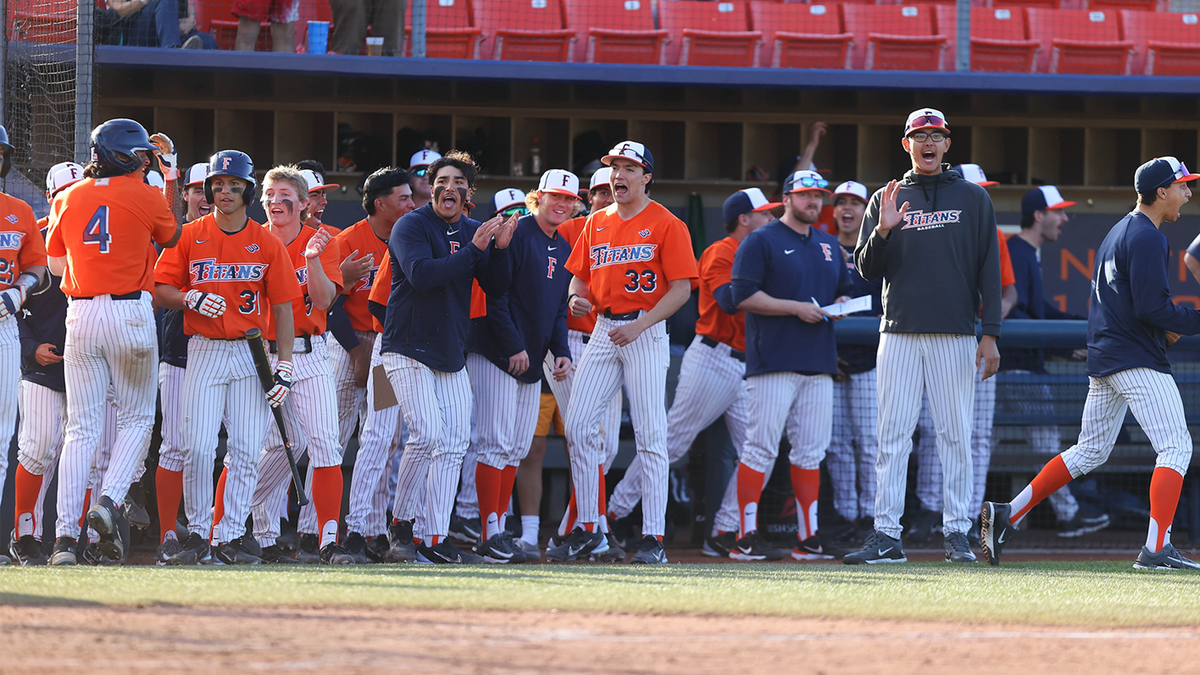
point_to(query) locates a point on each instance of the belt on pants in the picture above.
(627, 316)
(301, 345)
(136, 295)
(735, 353)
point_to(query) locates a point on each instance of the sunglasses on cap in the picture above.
(519, 210)
(631, 154)
(810, 182)
(1180, 169)
(927, 121)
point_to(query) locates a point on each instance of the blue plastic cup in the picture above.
(318, 37)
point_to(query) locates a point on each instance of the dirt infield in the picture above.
(96, 639)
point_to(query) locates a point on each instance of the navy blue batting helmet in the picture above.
(231, 163)
(115, 145)
(6, 149)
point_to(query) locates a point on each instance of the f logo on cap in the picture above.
(565, 180)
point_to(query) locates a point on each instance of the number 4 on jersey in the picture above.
(96, 231)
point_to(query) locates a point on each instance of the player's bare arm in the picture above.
(680, 291)
(321, 289)
(988, 355)
(1008, 299)
(57, 264)
(1193, 265)
(761, 303)
(577, 298)
(284, 325)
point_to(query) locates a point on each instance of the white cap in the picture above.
(196, 174)
(800, 181)
(975, 174)
(560, 181)
(61, 175)
(508, 198)
(925, 118)
(155, 179)
(600, 177)
(423, 158)
(851, 188)
(314, 181)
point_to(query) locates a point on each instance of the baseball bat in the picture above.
(258, 350)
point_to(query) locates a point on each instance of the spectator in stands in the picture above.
(1043, 213)
(283, 15)
(351, 18)
(150, 23)
(187, 29)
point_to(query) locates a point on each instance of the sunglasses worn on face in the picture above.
(420, 172)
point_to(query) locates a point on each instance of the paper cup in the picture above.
(318, 37)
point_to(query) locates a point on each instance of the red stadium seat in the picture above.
(615, 31)
(1167, 43)
(998, 42)
(1118, 5)
(524, 30)
(37, 21)
(1043, 4)
(895, 38)
(449, 32)
(709, 33)
(1080, 41)
(801, 36)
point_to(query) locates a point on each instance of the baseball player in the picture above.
(506, 349)
(418, 167)
(227, 276)
(633, 263)
(782, 274)
(938, 262)
(318, 191)
(436, 251)
(101, 234)
(1043, 213)
(386, 198)
(853, 444)
(929, 467)
(579, 333)
(42, 388)
(173, 342)
(1129, 316)
(711, 376)
(311, 414)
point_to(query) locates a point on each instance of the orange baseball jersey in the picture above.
(825, 221)
(630, 264)
(250, 269)
(106, 228)
(1007, 278)
(309, 320)
(570, 231)
(360, 237)
(382, 289)
(21, 243)
(478, 300)
(716, 267)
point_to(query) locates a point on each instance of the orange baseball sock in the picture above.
(1165, 486)
(168, 486)
(602, 505)
(87, 501)
(568, 521)
(806, 486)
(749, 490)
(218, 503)
(26, 488)
(487, 488)
(327, 500)
(508, 478)
(1048, 481)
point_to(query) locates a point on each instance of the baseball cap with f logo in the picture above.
(560, 181)
(631, 150)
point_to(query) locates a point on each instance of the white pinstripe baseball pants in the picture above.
(10, 382)
(381, 439)
(803, 404)
(506, 412)
(351, 399)
(908, 365)
(929, 467)
(466, 504)
(108, 341)
(221, 384)
(642, 367)
(611, 426)
(1154, 399)
(854, 445)
(1043, 439)
(437, 409)
(170, 391)
(711, 384)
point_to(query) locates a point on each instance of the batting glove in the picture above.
(11, 300)
(283, 384)
(205, 304)
(166, 156)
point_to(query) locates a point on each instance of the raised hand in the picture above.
(483, 236)
(504, 233)
(316, 245)
(889, 215)
(167, 160)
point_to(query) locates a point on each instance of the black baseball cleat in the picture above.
(752, 547)
(377, 548)
(925, 525)
(167, 549)
(355, 546)
(195, 551)
(526, 551)
(649, 551)
(332, 554)
(578, 545)
(64, 552)
(995, 530)
(93, 556)
(237, 552)
(623, 531)
(613, 554)
(816, 548)
(276, 555)
(445, 553)
(468, 531)
(719, 545)
(958, 548)
(1168, 558)
(877, 549)
(112, 527)
(135, 507)
(496, 550)
(27, 551)
(1083, 524)
(308, 552)
(400, 543)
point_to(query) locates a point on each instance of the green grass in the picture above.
(1100, 594)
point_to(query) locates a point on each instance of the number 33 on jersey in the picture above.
(630, 264)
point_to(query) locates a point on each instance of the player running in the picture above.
(633, 263)
(101, 236)
(1129, 316)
